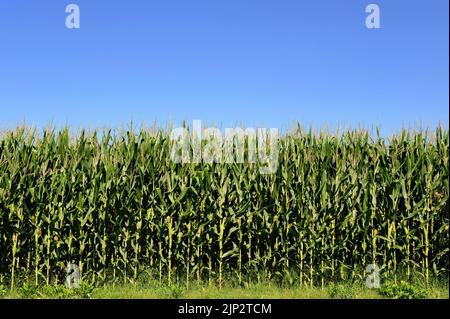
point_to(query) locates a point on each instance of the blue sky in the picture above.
(258, 62)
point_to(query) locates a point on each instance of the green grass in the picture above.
(154, 290)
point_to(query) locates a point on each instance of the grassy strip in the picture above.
(154, 290)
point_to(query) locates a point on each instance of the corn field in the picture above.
(116, 206)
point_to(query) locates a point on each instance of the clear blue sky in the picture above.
(259, 62)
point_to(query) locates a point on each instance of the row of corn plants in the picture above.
(114, 204)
